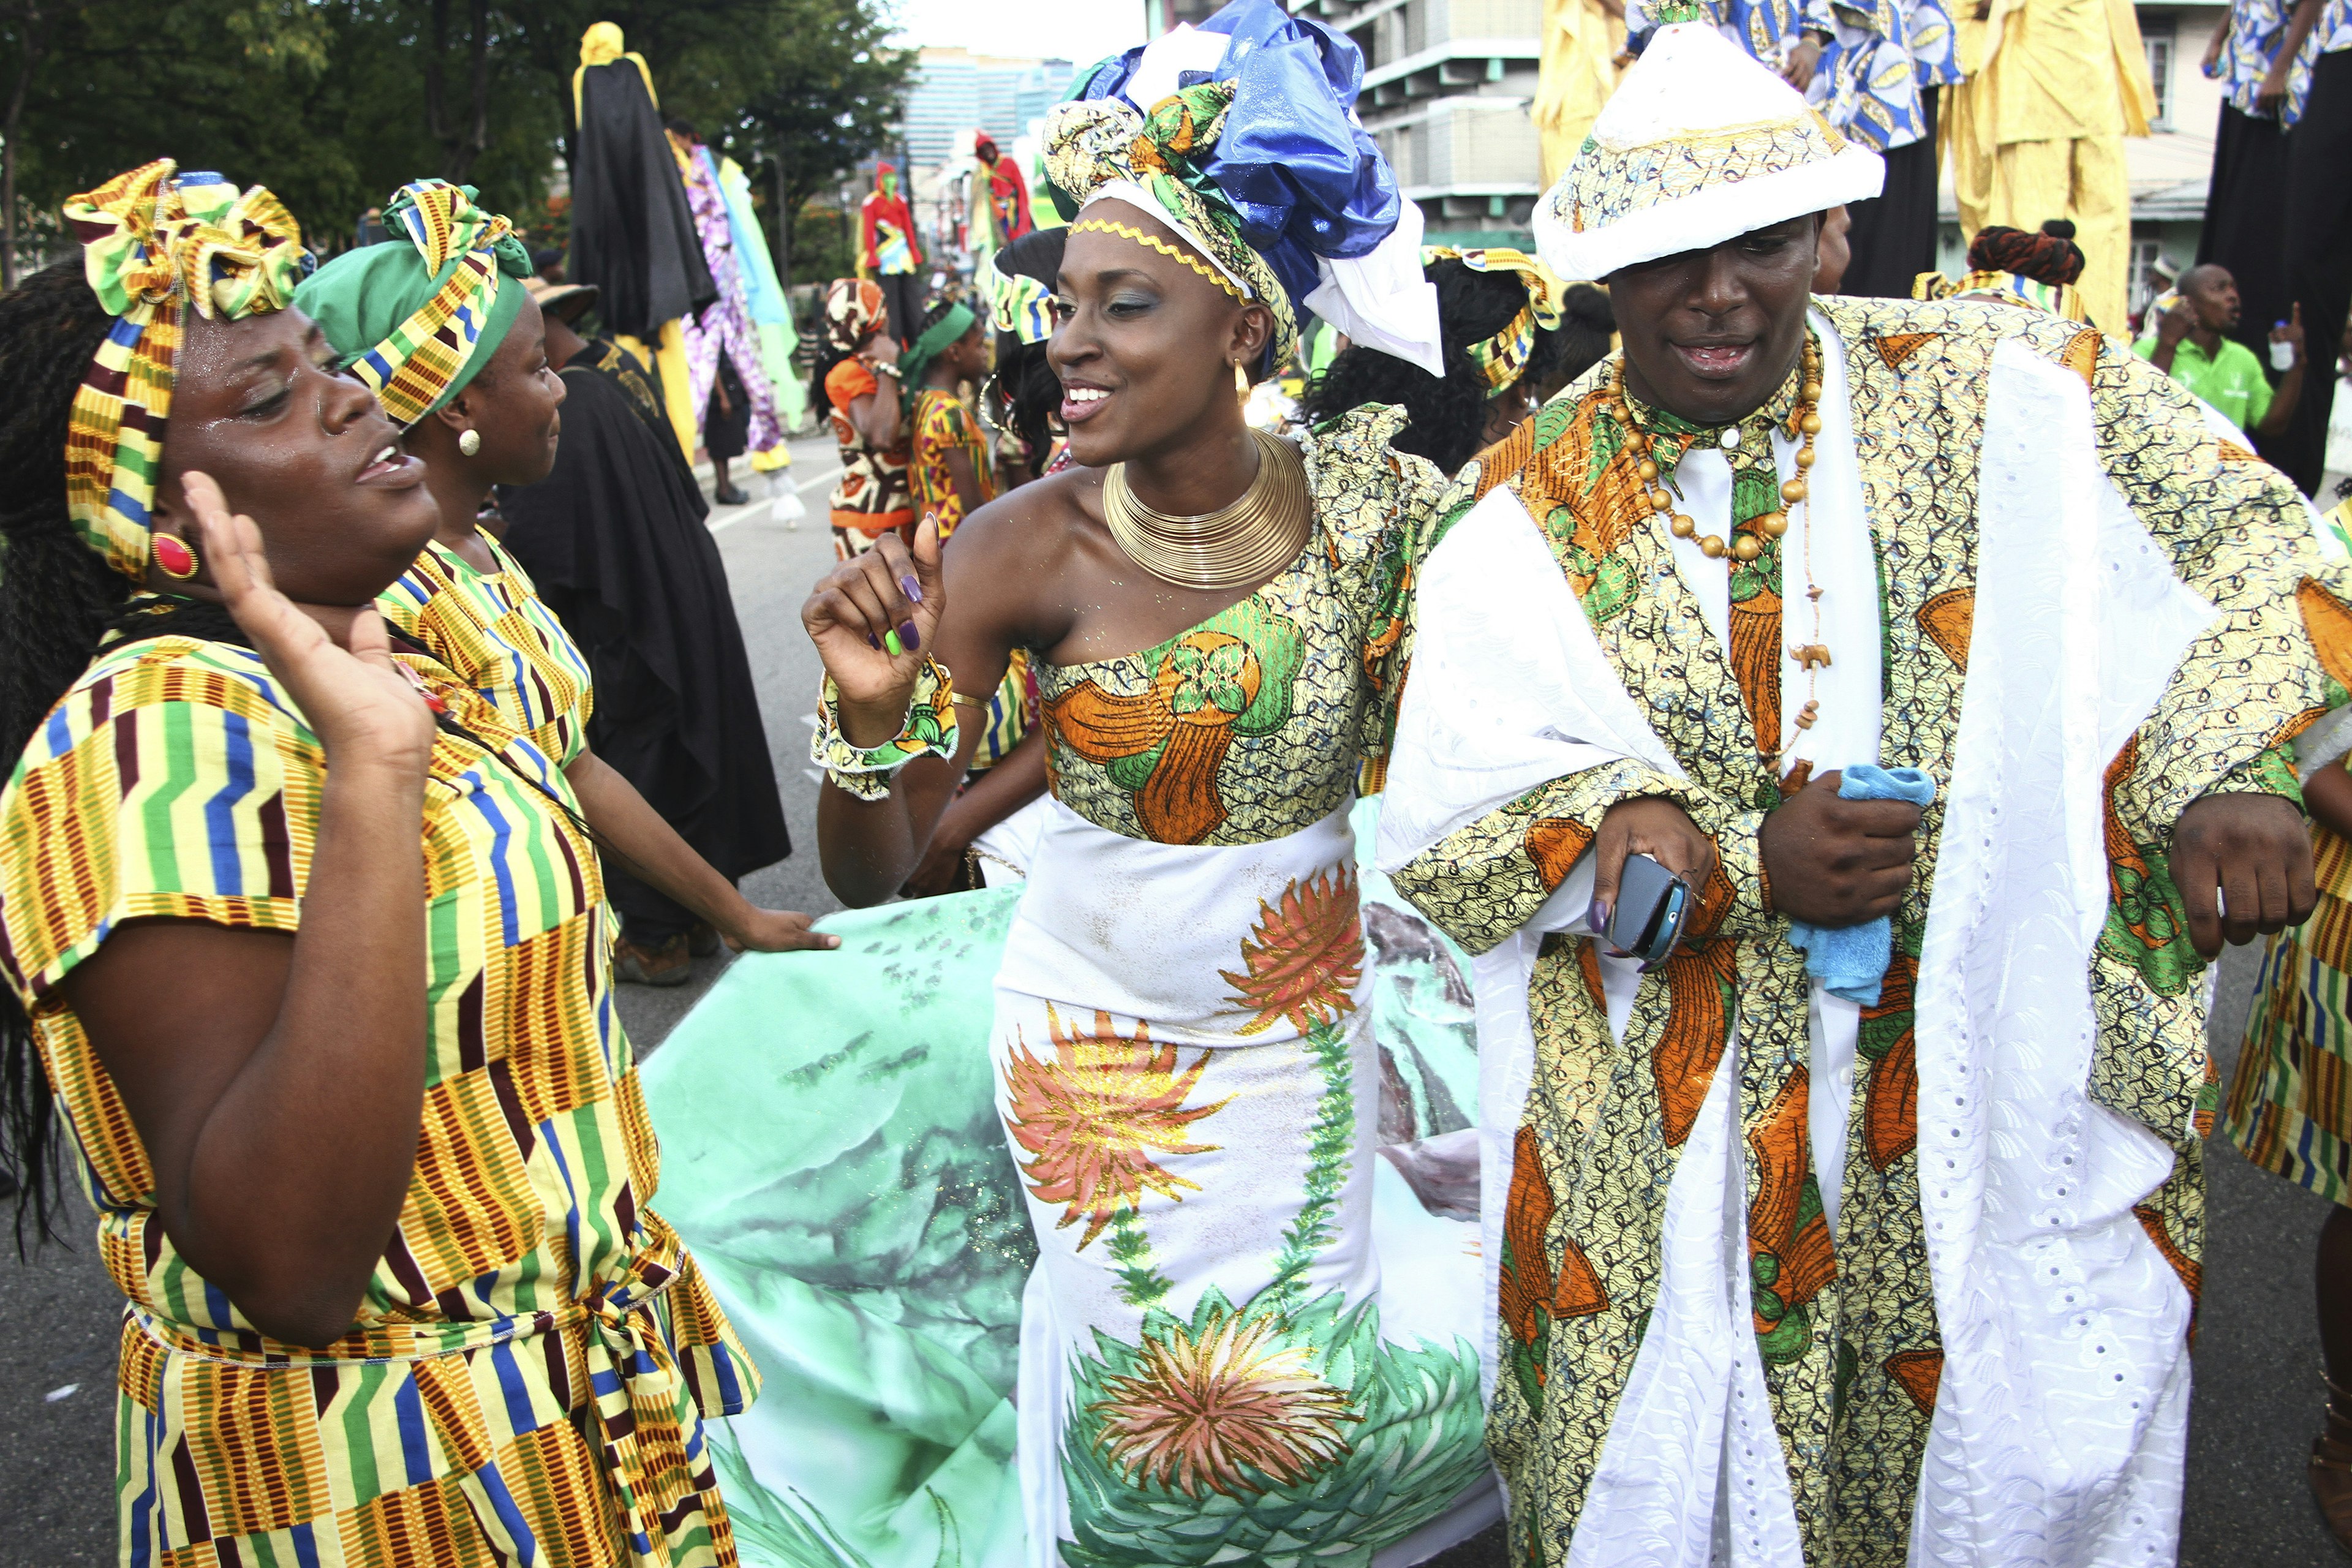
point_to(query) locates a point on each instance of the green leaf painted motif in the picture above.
(1608, 440)
(1553, 420)
(1330, 1144)
(1280, 650)
(1611, 590)
(2147, 924)
(1754, 492)
(1132, 773)
(1371, 1440)
(1140, 1283)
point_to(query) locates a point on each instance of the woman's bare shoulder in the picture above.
(1035, 525)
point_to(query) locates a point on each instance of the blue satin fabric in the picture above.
(1303, 178)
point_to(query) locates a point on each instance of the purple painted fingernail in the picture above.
(913, 587)
(906, 635)
(872, 641)
(1598, 916)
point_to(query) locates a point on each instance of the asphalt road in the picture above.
(2257, 1383)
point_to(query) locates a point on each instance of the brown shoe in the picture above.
(2331, 1470)
(702, 940)
(665, 964)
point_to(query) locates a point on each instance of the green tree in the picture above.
(829, 101)
(335, 103)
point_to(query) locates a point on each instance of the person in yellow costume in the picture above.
(1583, 47)
(2036, 131)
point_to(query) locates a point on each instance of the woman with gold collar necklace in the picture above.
(440, 323)
(1184, 1064)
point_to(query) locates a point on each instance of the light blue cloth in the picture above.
(1851, 959)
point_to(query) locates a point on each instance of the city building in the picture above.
(1447, 84)
(956, 95)
(956, 92)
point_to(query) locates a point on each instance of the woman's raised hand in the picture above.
(872, 620)
(363, 707)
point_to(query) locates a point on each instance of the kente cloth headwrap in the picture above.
(852, 313)
(1503, 358)
(418, 320)
(2058, 299)
(2044, 257)
(932, 344)
(1699, 144)
(153, 245)
(1019, 304)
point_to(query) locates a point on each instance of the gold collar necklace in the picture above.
(1240, 544)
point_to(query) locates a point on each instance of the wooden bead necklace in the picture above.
(1773, 524)
(1811, 656)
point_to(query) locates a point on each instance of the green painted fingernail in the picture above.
(890, 641)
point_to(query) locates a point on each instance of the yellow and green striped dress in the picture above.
(495, 632)
(535, 1355)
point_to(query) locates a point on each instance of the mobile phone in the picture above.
(1651, 903)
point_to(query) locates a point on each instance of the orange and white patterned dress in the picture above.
(872, 497)
(1187, 1074)
(534, 1357)
(944, 425)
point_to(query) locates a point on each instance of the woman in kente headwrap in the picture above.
(441, 324)
(1023, 397)
(1500, 310)
(2012, 267)
(858, 383)
(1211, 1369)
(309, 944)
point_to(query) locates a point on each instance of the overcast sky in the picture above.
(1082, 31)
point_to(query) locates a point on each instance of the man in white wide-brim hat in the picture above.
(1871, 1210)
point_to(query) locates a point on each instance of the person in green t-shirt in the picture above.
(2189, 345)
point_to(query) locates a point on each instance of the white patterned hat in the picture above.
(1698, 144)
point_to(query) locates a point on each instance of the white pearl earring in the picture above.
(469, 442)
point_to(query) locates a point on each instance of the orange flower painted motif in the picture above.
(1308, 957)
(1170, 739)
(2329, 626)
(1554, 844)
(1918, 1373)
(1093, 1116)
(1523, 1279)
(1200, 1414)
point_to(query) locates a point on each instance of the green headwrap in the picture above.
(418, 316)
(930, 346)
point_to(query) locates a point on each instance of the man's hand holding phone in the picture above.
(1658, 828)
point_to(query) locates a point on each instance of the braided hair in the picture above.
(58, 599)
(1026, 378)
(2049, 257)
(1448, 412)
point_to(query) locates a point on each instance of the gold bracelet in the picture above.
(1153, 242)
(971, 701)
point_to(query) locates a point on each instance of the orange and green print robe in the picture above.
(1762, 1261)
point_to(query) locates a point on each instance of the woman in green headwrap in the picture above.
(439, 323)
(947, 465)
